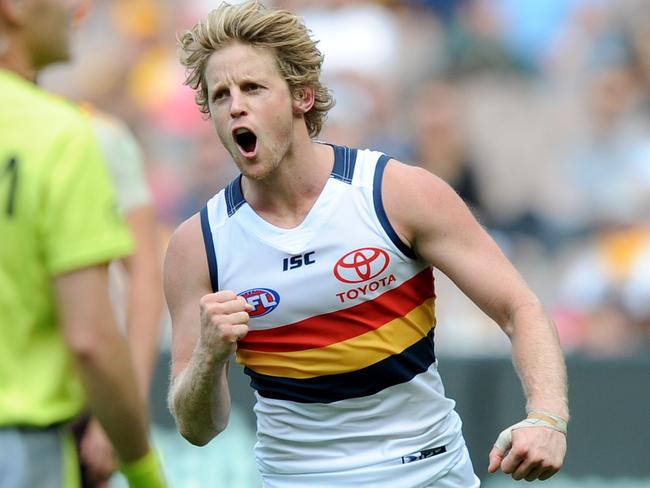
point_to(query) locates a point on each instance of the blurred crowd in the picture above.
(537, 112)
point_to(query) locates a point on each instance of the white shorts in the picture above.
(453, 469)
(460, 476)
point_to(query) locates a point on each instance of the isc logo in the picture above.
(264, 300)
(297, 261)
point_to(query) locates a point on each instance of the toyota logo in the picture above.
(361, 265)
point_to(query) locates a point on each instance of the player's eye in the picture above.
(220, 94)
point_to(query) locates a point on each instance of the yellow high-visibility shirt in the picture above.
(57, 214)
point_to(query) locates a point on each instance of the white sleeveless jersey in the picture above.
(340, 348)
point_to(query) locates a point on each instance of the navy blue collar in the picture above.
(344, 161)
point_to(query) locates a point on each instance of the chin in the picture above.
(258, 170)
(256, 173)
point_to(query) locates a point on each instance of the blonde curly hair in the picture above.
(284, 33)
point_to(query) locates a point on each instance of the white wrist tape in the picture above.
(558, 422)
(535, 419)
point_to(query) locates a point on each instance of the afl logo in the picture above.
(361, 265)
(264, 300)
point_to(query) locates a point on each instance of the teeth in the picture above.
(241, 130)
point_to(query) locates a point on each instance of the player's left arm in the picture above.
(437, 224)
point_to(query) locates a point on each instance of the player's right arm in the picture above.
(205, 329)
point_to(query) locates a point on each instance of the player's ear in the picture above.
(303, 99)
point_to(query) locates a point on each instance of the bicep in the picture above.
(185, 280)
(442, 231)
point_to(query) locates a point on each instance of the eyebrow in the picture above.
(245, 79)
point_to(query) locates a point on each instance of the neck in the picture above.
(14, 58)
(286, 197)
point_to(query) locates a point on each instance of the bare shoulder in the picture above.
(185, 269)
(417, 201)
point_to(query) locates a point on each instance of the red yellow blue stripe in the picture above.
(349, 355)
(341, 325)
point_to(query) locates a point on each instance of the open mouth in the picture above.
(246, 140)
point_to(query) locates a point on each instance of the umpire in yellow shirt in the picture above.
(59, 227)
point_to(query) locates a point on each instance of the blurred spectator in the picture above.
(531, 28)
(603, 306)
(368, 69)
(439, 142)
(476, 44)
(638, 24)
(446, 10)
(606, 190)
(608, 170)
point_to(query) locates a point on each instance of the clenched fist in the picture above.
(224, 321)
(531, 449)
